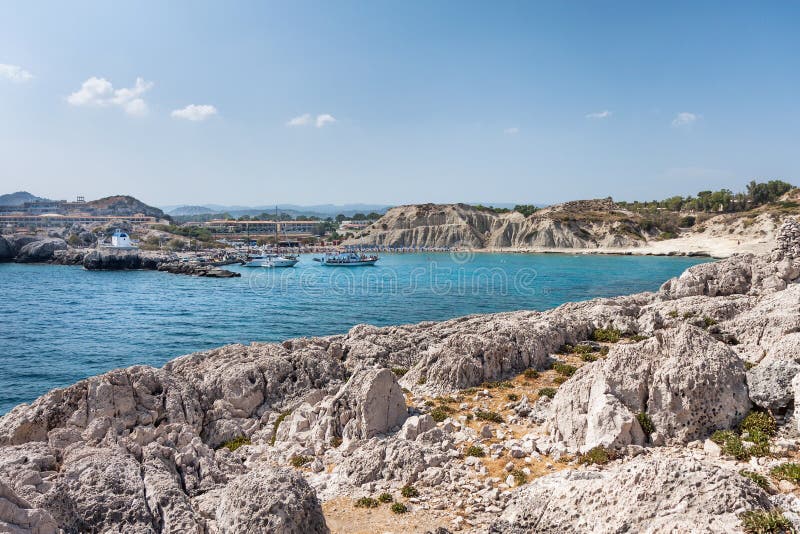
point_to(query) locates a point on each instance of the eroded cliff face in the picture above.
(580, 225)
(253, 437)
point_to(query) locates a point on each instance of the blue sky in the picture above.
(396, 102)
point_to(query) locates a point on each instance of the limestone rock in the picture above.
(649, 493)
(270, 501)
(6, 250)
(770, 382)
(18, 516)
(40, 251)
(688, 383)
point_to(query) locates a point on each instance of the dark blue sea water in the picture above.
(61, 324)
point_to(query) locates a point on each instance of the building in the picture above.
(50, 220)
(266, 228)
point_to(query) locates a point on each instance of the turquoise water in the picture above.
(61, 324)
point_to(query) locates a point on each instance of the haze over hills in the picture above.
(18, 198)
(318, 210)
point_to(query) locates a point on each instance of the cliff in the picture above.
(598, 226)
(650, 407)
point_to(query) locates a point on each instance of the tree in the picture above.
(526, 209)
(341, 217)
(359, 217)
(373, 216)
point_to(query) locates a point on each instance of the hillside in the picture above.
(18, 198)
(599, 226)
(123, 205)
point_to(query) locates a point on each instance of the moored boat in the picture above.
(347, 259)
(271, 260)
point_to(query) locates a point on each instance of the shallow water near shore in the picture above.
(62, 324)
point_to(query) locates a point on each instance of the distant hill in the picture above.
(122, 206)
(18, 198)
(318, 210)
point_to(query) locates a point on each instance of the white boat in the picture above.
(271, 260)
(347, 259)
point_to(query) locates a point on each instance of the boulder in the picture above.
(17, 516)
(40, 251)
(6, 250)
(650, 493)
(688, 384)
(115, 260)
(270, 501)
(770, 382)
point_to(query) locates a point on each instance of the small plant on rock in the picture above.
(513, 397)
(584, 349)
(520, 477)
(788, 471)
(596, 456)
(235, 443)
(399, 371)
(765, 522)
(385, 497)
(646, 423)
(440, 413)
(336, 441)
(604, 351)
(637, 337)
(476, 451)
(760, 480)
(299, 461)
(409, 491)
(399, 508)
(366, 502)
(494, 417)
(531, 374)
(565, 349)
(759, 422)
(708, 321)
(277, 423)
(564, 369)
(422, 380)
(608, 335)
(547, 392)
(588, 357)
(673, 314)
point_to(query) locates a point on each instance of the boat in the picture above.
(347, 259)
(271, 260)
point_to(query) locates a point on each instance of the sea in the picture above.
(62, 323)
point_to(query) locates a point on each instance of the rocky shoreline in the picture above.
(670, 411)
(29, 249)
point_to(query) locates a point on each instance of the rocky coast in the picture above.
(670, 411)
(53, 250)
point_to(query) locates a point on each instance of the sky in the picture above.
(396, 102)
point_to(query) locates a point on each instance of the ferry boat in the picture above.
(347, 259)
(271, 260)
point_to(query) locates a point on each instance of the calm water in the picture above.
(61, 324)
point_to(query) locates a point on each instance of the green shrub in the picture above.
(336, 441)
(637, 337)
(688, 314)
(520, 477)
(604, 351)
(494, 417)
(584, 349)
(673, 314)
(429, 403)
(498, 385)
(760, 480)
(547, 392)
(531, 374)
(759, 422)
(596, 456)
(588, 357)
(646, 423)
(385, 497)
(439, 413)
(560, 379)
(299, 461)
(366, 502)
(277, 423)
(721, 436)
(764, 522)
(708, 321)
(399, 371)
(565, 349)
(422, 380)
(788, 471)
(476, 451)
(731, 444)
(399, 508)
(564, 369)
(513, 397)
(608, 335)
(235, 443)
(748, 365)
(409, 491)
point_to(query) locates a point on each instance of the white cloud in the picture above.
(511, 131)
(194, 112)
(599, 114)
(302, 120)
(684, 118)
(14, 73)
(99, 92)
(324, 119)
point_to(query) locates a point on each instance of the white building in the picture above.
(121, 239)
